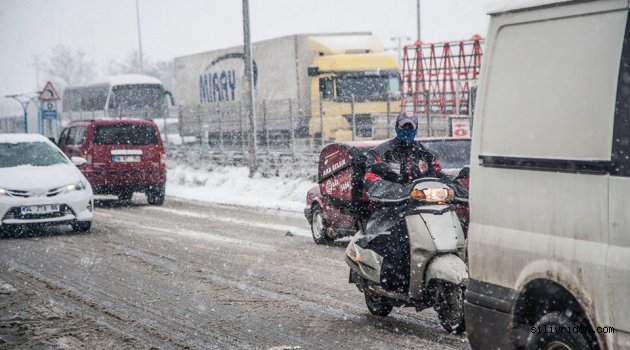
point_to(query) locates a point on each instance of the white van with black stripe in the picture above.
(549, 235)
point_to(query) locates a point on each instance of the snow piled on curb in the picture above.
(232, 185)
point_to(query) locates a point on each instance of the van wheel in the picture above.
(319, 228)
(378, 305)
(552, 339)
(125, 196)
(450, 307)
(81, 226)
(155, 196)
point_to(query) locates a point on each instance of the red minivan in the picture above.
(123, 156)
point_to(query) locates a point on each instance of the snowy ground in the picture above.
(231, 185)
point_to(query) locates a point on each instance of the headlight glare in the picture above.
(433, 194)
(75, 187)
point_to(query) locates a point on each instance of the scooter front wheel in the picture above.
(378, 305)
(450, 307)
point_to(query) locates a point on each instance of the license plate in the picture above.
(126, 158)
(39, 209)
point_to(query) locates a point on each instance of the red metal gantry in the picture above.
(438, 77)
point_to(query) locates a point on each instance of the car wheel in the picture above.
(155, 195)
(547, 336)
(450, 307)
(378, 305)
(81, 226)
(319, 228)
(125, 196)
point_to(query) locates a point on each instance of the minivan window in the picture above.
(125, 135)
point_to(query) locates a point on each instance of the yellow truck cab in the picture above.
(352, 69)
(549, 234)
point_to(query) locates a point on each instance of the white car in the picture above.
(40, 185)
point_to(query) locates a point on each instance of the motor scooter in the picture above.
(412, 252)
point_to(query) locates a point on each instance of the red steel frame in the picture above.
(437, 77)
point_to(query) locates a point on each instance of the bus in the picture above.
(120, 96)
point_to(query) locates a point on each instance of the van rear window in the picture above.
(125, 135)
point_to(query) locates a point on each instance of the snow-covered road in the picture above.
(193, 275)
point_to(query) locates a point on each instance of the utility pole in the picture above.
(419, 37)
(140, 38)
(249, 90)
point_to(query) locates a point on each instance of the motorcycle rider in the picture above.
(402, 159)
(389, 167)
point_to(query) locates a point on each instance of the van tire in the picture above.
(570, 340)
(319, 228)
(378, 305)
(155, 196)
(81, 226)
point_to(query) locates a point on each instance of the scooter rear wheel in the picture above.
(378, 305)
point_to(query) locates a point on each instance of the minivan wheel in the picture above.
(81, 226)
(378, 305)
(318, 227)
(547, 336)
(450, 307)
(155, 195)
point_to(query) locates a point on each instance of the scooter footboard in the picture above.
(447, 267)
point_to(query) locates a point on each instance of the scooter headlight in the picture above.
(433, 194)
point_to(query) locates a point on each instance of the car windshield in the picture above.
(29, 153)
(453, 154)
(125, 135)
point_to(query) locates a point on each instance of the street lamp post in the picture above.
(249, 90)
(419, 17)
(24, 103)
(139, 38)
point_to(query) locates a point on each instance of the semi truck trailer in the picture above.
(347, 76)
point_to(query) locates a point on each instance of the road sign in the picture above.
(49, 114)
(460, 127)
(48, 93)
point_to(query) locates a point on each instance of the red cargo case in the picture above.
(340, 174)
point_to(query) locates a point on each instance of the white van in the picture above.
(549, 235)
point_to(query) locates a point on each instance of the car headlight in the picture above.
(3, 192)
(433, 195)
(79, 186)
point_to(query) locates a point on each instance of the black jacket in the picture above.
(396, 162)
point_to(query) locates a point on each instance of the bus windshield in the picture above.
(367, 87)
(144, 98)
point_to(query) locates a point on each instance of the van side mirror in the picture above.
(464, 173)
(78, 161)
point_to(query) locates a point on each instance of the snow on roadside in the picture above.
(232, 185)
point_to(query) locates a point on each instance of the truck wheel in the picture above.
(378, 305)
(155, 195)
(450, 307)
(547, 336)
(318, 227)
